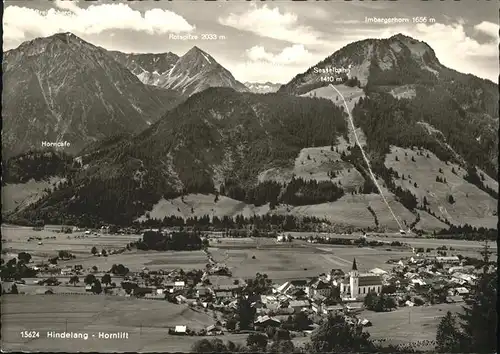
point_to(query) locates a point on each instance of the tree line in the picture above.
(266, 222)
(177, 241)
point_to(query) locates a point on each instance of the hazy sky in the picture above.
(265, 41)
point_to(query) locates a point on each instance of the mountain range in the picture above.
(149, 68)
(195, 71)
(83, 98)
(258, 87)
(92, 93)
(429, 131)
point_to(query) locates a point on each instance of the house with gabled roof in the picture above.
(267, 321)
(319, 287)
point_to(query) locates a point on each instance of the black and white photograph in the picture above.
(232, 176)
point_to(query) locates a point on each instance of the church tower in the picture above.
(354, 280)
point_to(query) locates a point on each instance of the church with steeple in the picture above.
(356, 285)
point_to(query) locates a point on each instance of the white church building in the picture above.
(357, 285)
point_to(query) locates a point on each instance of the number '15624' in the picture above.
(30, 334)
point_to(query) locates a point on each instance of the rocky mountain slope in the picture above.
(195, 71)
(258, 87)
(149, 68)
(61, 88)
(463, 108)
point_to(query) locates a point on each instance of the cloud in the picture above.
(348, 22)
(453, 46)
(489, 28)
(451, 41)
(297, 53)
(67, 5)
(262, 71)
(272, 23)
(22, 22)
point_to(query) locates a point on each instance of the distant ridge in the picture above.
(193, 72)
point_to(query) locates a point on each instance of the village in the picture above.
(260, 304)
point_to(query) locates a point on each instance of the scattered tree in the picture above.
(257, 341)
(245, 313)
(74, 280)
(336, 335)
(24, 257)
(106, 279)
(96, 287)
(89, 279)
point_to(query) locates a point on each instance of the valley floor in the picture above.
(147, 321)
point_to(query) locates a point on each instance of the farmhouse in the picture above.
(418, 281)
(297, 293)
(357, 285)
(462, 278)
(460, 269)
(141, 291)
(154, 296)
(378, 271)
(266, 321)
(318, 287)
(179, 285)
(461, 291)
(283, 238)
(450, 259)
(66, 271)
(180, 329)
(213, 330)
(180, 299)
(222, 294)
(298, 305)
(287, 287)
(335, 274)
(202, 292)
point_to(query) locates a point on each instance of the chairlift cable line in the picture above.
(366, 158)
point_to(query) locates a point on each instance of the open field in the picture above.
(20, 195)
(461, 245)
(472, 205)
(353, 210)
(488, 181)
(408, 323)
(284, 261)
(429, 223)
(201, 205)
(146, 322)
(314, 163)
(137, 260)
(298, 259)
(32, 288)
(15, 239)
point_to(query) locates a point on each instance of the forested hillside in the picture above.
(389, 121)
(216, 136)
(37, 165)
